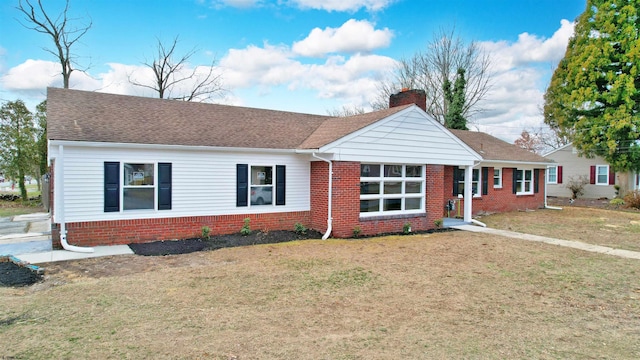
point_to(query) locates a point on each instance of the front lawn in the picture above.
(447, 295)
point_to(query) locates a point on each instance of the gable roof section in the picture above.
(335, 128)
(99, 117)
(494, 149)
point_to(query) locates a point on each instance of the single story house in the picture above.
(132, 169)
(599, 177)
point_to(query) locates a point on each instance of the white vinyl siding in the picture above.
(407, 137)
(203, 182)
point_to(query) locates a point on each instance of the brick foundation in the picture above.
(120, 232)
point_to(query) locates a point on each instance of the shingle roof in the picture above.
(100, 117)
(494, 149)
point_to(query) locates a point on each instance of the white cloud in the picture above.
(343, 5)
(236, 3)
(522, 72)
(353, 36)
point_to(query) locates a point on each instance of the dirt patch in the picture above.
(14, 275)
(163, 248)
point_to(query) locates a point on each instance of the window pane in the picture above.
(474, 188)
(476, 174)
(138, 175)
(369, 188)
(496, 177)
(393, 188)
(138, 198)
(414, 171)
(519, 174)
(369, 205)
(413, 187)
(412, 203)
(393, 171)
(528, 174)
(519, 186)
(527, 186)
(261, 175)
(392, 204)
(368, 170)
(261, 195)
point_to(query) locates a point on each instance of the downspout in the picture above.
(60, 200)
(545, 193)
(329, 218)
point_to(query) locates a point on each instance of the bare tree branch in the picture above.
(169, 76)
(428, 70)
(63, 37)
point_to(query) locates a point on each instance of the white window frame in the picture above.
(606, 175)
(478, 183)
(555, 175)
(272, 185)
(523, 182)
(154, 186)
(403, 195)
(499, 184)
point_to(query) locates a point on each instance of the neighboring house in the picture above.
(507, 178)
(600, 177)
(130, 169)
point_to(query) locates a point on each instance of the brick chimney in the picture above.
(406, 96)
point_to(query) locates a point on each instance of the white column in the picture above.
(468, 193)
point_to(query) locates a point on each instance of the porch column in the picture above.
(468, 193)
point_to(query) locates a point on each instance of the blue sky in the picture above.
(297, 55)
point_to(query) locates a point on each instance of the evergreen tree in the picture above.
(17, 142)
(454, 99)
(41, 139)
(594, 95)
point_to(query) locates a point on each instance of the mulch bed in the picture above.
(174, 247)
(15, 275)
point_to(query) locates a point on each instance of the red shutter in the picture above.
(559, 174)
(612, 176)
(592, 175)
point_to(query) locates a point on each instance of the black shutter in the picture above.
(456, 180)
(242, 184)
(514, 184)
(281, 180)
(485, 180)
(536, 174)
(164, 186)
(111, 186)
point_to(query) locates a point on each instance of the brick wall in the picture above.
(498, 199)
(118, 232)
(346, 202)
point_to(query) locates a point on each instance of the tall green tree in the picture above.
(594, 95)
(17, 142)
(41, 139)
(455, 99)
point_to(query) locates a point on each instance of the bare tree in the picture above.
(58, 27)
(430, 69)
(346, 111)
(174, 80)
(529, 141)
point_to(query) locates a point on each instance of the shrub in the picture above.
(617, 202)
(632, 199)
(356, 231)
(576, 185)
(299, 229)
(246, 228)
(406, 229)
(437, 223)
(205, 233)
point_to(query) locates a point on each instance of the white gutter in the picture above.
(329, 218)
(545, 192)
(60, 198)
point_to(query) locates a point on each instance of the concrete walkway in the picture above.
(28, 238)
(567, 243)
